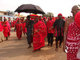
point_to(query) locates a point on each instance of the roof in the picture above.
(4, 11)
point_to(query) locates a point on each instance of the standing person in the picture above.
(69, 20)
(14, 22)
(6, 29)
(72, 34)
(73, 39)
(59, 29)
(37, 36)
(44, 20)
(18, 28)
(42, 29)
(23, 25)
(50, 30)
(22, 19)
(9, 20)
(29, 26)
(1, 32)
(9, 26)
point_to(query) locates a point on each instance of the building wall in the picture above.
(1, 13)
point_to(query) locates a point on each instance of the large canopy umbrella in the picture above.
(29, 8)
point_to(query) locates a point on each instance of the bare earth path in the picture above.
(14, 49)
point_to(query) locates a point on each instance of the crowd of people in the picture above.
(66, 30)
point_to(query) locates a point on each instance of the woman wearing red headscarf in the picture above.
(73, 39)
(18, 28)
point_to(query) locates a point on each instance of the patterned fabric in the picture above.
(38, 40)
(73, 41)
(50, 28)
(43, 29)
(19, 30)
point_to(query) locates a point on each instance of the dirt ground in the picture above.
(15, 49)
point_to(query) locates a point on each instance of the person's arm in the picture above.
(65, 34)
(54, 26)
(26, 23)
(32, 24)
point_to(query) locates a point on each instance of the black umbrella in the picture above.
(29, 8)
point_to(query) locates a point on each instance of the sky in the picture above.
(54, 6)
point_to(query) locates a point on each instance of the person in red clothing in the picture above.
(9, 27)
(23, 25)
(44, 20)
(73, 39)
(50, 30)
(6, 29)
(9, 20)
(38, 41)
(11, 23)
(1, 32)
(18, 28)
(14, 22)
(43, 28)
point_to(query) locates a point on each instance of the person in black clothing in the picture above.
(59, 29)
(29, 26)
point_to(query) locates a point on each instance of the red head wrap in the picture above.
(59, 14)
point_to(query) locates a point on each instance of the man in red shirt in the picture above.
(50, 30)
